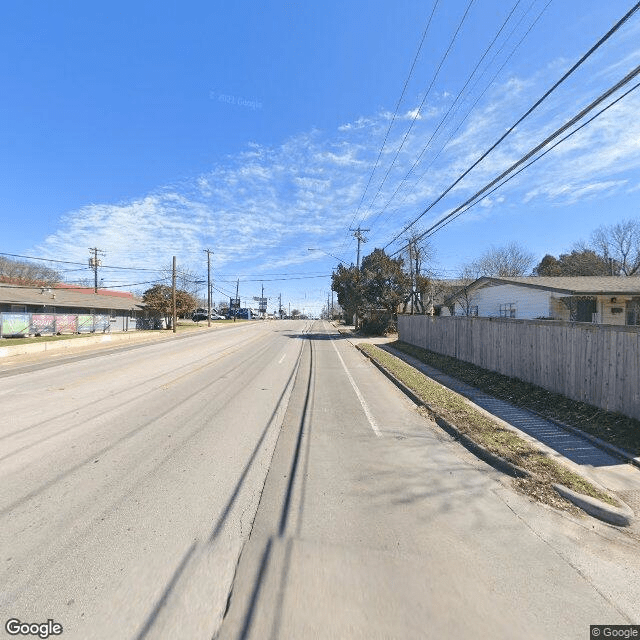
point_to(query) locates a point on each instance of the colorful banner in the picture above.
(15, 324)
(85, 324)
(66, 324)
(42, 323)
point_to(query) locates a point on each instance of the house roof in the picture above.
(571, 285)
(63, 297)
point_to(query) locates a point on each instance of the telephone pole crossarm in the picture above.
(358, 235)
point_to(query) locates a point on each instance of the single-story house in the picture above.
(67, 309)
(597, 299)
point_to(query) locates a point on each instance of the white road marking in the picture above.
(284, 355)
(363, 402)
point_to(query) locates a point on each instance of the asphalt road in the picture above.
(138, 486)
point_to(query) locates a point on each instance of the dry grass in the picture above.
(611, 427)
(490, 434)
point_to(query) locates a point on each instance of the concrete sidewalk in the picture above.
(579, 453)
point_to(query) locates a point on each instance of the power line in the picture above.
(395, 113)
(424, 99)
(497, 73)
(449, 110)
(509, 178)
(482, 192)
(16, 255)
(596, 46)
(280, 279)
(473, 106)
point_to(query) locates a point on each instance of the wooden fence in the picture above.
(597, 364)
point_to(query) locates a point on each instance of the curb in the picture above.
(620, 516)
(75, 343)
(613, 515)
(490, 458)
(602, 444)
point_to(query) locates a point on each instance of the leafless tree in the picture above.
(620, 244)
(463, 294)
(509, 261)
(27, 273)
(186, 280)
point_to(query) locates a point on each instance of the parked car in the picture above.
(202, 315)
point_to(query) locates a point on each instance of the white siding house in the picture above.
(511, 301)
(601, 299)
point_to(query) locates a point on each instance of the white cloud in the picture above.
(266, 205)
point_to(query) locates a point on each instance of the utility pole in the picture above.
(280, 306)
(235, 315)
(208, 252)
(411, 297)
(94, 263)
(173, 295)
(360, 238)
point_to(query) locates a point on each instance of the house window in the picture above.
(508, 310)
(633, 311)
(473, 310)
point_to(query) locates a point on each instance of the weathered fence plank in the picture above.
(598, 364)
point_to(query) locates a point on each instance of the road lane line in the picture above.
(363, 402)
(284, 355)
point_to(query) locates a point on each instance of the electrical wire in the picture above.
(482, 192)
(15, 255)
(473, 106)
(509, 178)
(395, 113)
(424, 99)
(446, 115)
(581, 61)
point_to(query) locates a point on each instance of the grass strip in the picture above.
(614, 428)
(489, 434)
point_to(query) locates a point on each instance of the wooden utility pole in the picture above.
(235, 315)
(94, 263)
(208, 286)
(411, 297)
(173, 295)
(360, 238)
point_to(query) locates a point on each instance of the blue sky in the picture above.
(252, 129)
